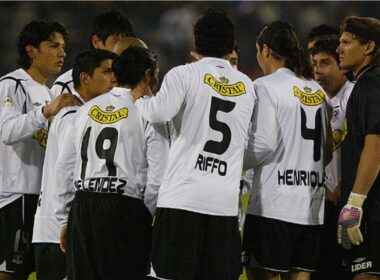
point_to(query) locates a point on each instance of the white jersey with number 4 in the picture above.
(211, 105)
(339, 130)
(287, 145)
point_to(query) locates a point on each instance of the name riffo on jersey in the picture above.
(108, 116)
(211, 165)
(307, 97)
(223, 88)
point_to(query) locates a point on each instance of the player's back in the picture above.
(205, 160)
(289, 184)
(109, 139)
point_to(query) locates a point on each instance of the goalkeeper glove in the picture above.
(349, 221)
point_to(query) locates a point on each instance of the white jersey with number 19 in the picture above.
(211, 106)
(113, 150)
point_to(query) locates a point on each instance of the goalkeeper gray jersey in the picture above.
(288, 146)
(23, 133)
(211, 105)
(111, 149)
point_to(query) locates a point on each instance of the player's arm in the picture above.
(369, 165)
(64, 170)
(262, 138)
(157, 157)
(15, 124)
(369, 162)
(167, 103)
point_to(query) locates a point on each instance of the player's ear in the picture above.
(147, 75)
(96, 42)
(84, 79)
(370, 47)
(31, 51)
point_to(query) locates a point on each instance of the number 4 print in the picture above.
(312, 134)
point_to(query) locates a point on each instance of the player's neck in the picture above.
(85, 94)
(334, 92)
(273, 66)
(37, 75)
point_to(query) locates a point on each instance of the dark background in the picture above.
(166, 26)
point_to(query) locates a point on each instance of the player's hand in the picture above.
(349, 221)
(63, 238)
(62, 100)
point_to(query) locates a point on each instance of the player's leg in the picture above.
(178, 239)
(267, 245)
(17, 255)
(50, 261)
(222, 249)
(364, 260)
(306, 254)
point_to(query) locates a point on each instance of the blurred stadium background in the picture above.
(166, 26)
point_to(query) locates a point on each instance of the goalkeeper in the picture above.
(359, 220)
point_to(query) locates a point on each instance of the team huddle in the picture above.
(105, 176)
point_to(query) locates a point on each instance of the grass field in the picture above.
(242, 277)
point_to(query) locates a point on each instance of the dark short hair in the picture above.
(364, 29)
(323, 31)
(34, 33)
(283, 40)
(111, 23)
(88, 61)
(214, 34)
(129, 68)
(326, 46)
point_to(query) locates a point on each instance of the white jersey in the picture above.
(287, 145)
(46, 227)
(111, 149)
(339, 103)
(63, 84)
(211, 105)
(23, 133)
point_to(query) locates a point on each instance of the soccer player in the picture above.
(359, 224)
(92, 76)
(196, 233)
(333, 80)
(117, 160)
(321, 32)
(24, 112)
(108, 29)
(287, 147)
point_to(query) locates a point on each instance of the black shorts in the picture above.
(365, 258)
(50, 261)
(109, 237)
(331, 259)
(192, 246)
(281, 246)
(16, 229)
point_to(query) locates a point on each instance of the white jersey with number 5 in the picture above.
(288, 145)
(211, 105)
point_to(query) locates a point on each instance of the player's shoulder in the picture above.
(65, 77)
(15, 76)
